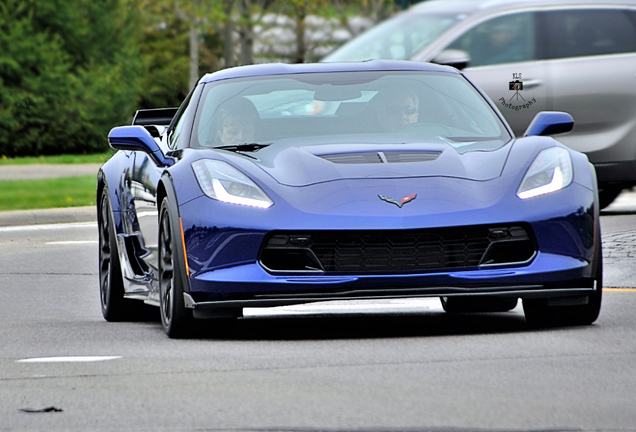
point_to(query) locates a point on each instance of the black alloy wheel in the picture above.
(175, 318)
(111, 283)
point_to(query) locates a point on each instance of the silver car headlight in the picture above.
(550, 171)
(221, 181)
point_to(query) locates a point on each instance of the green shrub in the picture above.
(69, 72)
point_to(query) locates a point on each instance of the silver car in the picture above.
(530, 56)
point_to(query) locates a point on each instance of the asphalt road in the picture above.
(320, 367)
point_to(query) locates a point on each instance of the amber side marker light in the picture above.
(185, 255)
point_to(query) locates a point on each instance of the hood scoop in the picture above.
(381, 157)
(307, 165)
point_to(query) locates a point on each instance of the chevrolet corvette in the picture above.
(288, 184)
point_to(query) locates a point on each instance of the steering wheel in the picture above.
(428, 128)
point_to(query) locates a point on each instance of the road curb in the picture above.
(48, 216)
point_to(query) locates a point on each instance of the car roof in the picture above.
(270, 69)
(476, 6)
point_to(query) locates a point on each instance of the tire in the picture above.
(111, 281)
(477, 304)
(540, 314)
(176, 320)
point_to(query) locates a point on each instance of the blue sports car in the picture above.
(286, 184)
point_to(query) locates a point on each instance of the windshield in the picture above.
(347, 107)
(399, 38)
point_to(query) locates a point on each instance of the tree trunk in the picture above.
(194, 54)
(301, 49)
(246, 33)
(228, 34)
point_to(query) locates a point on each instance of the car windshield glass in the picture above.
(347, 107)
(400, 38)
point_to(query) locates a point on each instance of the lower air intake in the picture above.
(390, 251)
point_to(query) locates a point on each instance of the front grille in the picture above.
(397, 250)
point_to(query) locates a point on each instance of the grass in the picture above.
(47, 193)
(50, 193)
(61, 159)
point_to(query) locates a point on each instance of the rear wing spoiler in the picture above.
(159, 117)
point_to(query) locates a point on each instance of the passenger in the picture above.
(397, 109)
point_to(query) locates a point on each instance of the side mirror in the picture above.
(452, 57)
(137, 138)
(550, 123)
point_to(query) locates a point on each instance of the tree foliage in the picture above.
(70, 70)
(68, 73)
(166, 49)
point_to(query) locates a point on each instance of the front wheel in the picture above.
(177, 321)
(540, 313)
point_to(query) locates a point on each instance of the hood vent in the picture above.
(381, 157)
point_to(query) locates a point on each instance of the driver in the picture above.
(397, 109)
(237, 123)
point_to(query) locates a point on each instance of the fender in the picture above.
(166, 191)
(112, 178)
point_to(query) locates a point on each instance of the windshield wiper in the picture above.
(245, 147)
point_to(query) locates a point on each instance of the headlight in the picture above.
(551, 171)
(222, 182)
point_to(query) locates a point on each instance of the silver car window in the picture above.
(589, 32)
(505, 39)
(398, 39)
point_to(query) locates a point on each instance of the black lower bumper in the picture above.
(233, 307)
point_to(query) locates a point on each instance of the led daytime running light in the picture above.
(553, 186)
(550, 171)
(223, 195)
(222, 182)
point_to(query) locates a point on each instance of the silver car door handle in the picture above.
(532, 83)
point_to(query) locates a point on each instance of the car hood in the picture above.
(303, 166)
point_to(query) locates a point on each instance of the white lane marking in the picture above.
(49, 227)
(351, 307)
(68, 359)
(72, 242)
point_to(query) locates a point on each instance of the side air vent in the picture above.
(381, 157)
